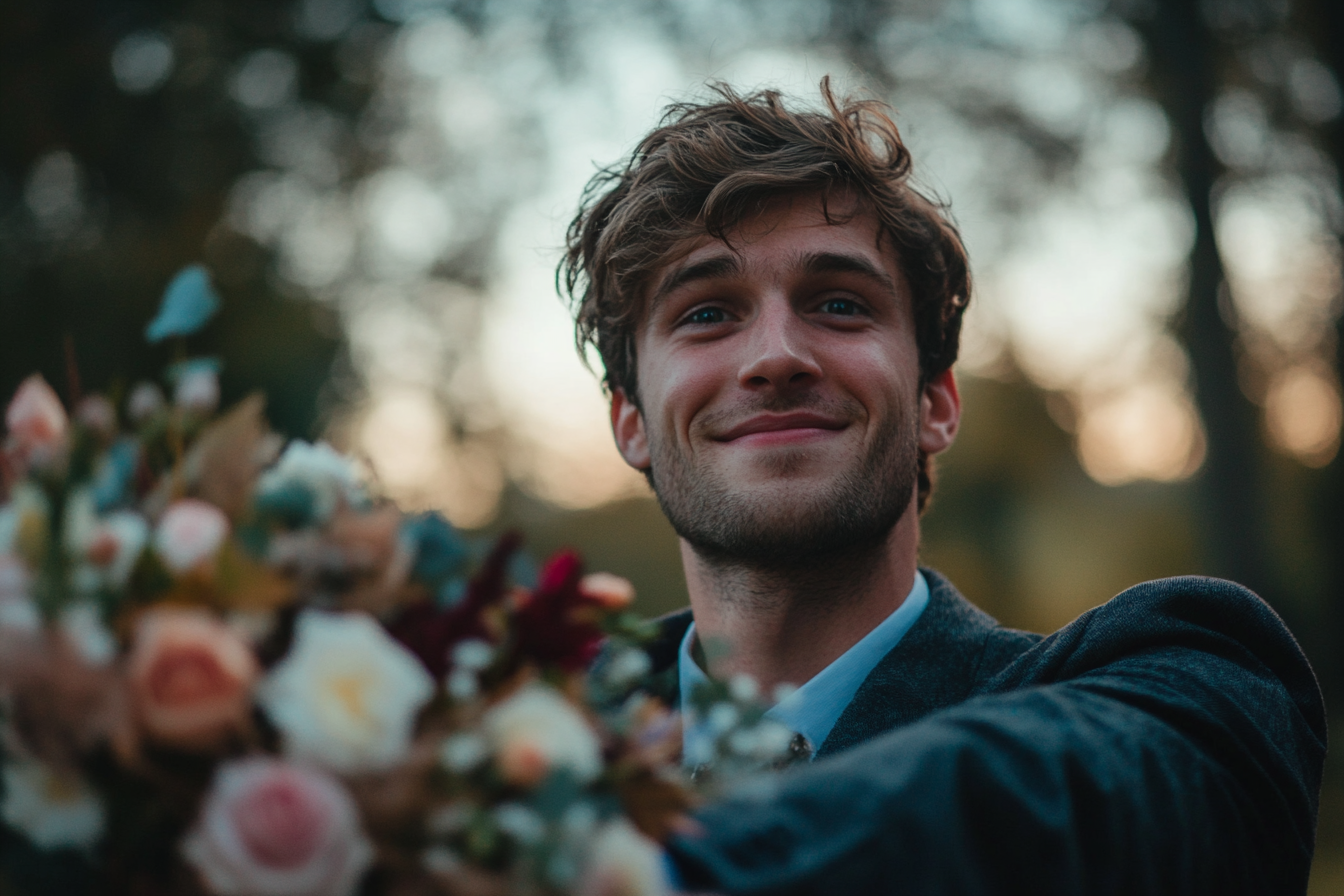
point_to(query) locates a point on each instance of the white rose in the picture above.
(347, 695)
(53, 809)
(190, 533)
(623, 862)
(537, 730)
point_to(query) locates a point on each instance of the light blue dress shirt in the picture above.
(813, 709)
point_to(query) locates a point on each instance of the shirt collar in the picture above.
(813, 709)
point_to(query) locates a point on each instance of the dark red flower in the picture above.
(558, 624)
(430, 632)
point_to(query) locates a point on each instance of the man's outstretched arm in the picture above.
(1170, 741)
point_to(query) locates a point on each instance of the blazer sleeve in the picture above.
(1170, 741)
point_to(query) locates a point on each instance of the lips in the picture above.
(800, 423)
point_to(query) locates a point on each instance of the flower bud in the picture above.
(189, 534)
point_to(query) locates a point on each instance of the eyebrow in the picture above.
(812, 264)
(709, 269)
(836, 263)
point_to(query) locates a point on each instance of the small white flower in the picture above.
(328, 475)
(440, 860)
(98, 414)
(20, 615)
(772, 739)
(579, 820)
(347, 695)
(189, 533)
(627, 667)
(448, 819)
(463, 751)
(473, 654)
(722, 717)
(462, 684)
(623, 861)
(52, 809)
(104, 549)
(146, 400)
(525, 824)
(129, 531)
(538, 725)
(82, 625)
(197, 390)
(744, 688)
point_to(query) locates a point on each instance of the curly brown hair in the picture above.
(708, 166)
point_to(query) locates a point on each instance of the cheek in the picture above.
(683, 386)
(886, 383)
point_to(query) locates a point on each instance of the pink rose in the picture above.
(36, 420)
(189, 534)
(270, 828)
(190, 678)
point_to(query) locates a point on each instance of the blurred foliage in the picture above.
(106, 192)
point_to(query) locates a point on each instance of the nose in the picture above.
(778, 354)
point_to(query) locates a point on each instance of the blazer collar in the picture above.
(933, 666)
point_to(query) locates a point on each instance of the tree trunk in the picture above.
(1230, 483)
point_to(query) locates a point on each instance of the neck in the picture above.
(785, 624)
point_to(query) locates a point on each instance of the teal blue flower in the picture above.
(188, 304)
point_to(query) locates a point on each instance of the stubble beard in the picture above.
(801, 533)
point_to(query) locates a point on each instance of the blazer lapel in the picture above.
(933, 666)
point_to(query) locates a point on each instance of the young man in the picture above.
(778, 312)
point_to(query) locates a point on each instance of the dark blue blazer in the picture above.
(1169, 741)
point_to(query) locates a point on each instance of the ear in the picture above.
(939, 413)
(627, 425)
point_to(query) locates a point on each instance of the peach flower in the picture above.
(271, 828)
(537, 730)
(189, 534)
(611, 591)
(190, 677)
(623, 862)
(36, 420)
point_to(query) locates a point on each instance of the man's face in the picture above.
(779, 384)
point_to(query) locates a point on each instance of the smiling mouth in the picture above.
(776, 429)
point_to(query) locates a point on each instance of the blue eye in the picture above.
(706, 316)
(846, 307)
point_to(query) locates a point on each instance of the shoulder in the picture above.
(1192, 615)
(1203, 652)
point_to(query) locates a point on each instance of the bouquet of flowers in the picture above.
(227, 667)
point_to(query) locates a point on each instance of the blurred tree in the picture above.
(1185, 76)
(1323, 22)
(121, 135)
